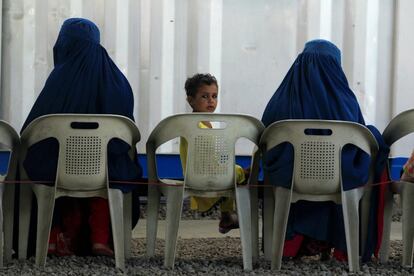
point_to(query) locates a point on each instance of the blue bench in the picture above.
(170, 165)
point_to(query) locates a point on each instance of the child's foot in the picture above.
(100, 249)
(228, 222)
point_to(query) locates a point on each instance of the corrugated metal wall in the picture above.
(248, 45)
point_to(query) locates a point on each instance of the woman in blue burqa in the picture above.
(84, 80)
(316, 88)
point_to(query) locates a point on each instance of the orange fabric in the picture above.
(74, 213)
(53, 234)
(99, 220)
(291, 247)
(339, 255)
(72, 219)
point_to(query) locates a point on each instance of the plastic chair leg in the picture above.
(116, 207)
(350, 205)
(127, 224)
(268, 211)
(8, 216)
(2, 187)
(8, 209)
(245, 223)
(386, 232)
(255, 223)
(153, 206)
(407, 197)
(174, 207)
(45, 204)
(365, 210)
(25, 207)
(283, 198)
(1, 248)
(254, 172)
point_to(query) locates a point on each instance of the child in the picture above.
(202, 92)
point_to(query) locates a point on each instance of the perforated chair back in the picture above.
(83, 141)
(209, 172)
(81, 172)
(211, 151)
(317, 147)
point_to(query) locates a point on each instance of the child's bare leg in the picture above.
(228, 220)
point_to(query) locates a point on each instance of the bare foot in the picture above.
(228, 222)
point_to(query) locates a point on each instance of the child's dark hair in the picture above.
(192, 84)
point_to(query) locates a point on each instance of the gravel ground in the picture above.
(397, 211)
(200, 257)
(213, 256)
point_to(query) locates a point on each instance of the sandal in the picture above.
(53, 236)
(228, 221)
(63, 245)
(51, 249)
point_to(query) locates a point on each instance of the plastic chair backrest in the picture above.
(83, 140)
(9, 141)
(400, 126)
(211, 151)
(317, 150)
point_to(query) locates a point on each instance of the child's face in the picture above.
(205, 99)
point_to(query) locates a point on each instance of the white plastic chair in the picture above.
(9, 142)
(81, 172)
(316, 177)
(400, 126)
(210, 172)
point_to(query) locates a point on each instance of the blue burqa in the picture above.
(84, 80)
(316, 88)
